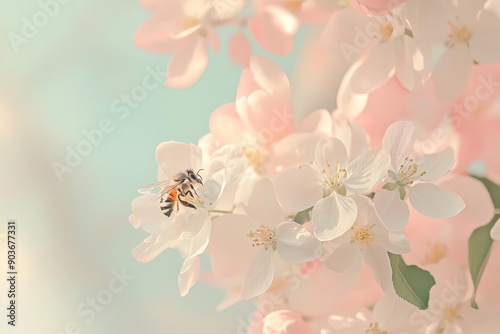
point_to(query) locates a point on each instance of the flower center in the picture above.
(363, 234)
(278, 285)
(263, 236)
(385, 31)
(407, 173)
(450, 314)
(188, 22)
(436, 253)
(333, 177)
(375, 329)
(293, 5)
(458, 34)
(256, 158)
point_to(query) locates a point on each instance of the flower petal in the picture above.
(452, 72)
(263, 207)
(398, 141)
(274, 29)
(421, 13)
(269, 76)
(436, 164)
(495, 231)
(190, 234)
(226, 125)
(259, 275)
(155, 34)
(284, 321)
(190, 245)
(343, 257)
(295, 244)
(481, 46)
(319, 121)
(297, 189)
(377, 68)
(434, 201)
(480, 208)
(396, 242)
(330, 151)
(352, 135)
(377, 259)
(188, 63)
(296, 149)
(146, 211)
(367, 170)
(187, 156)
(189, 274)
(412, 62)
(351, 103)
(139, 250)
(232, 159)
(230, 248)
(270, 116)
(332, 216)
(393, 211)
(240, 49)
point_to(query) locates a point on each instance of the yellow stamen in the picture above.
(256, 158)
(436, 253)
(451, 314)
(408, 171)
(386, 29)
(293, 5)
(263, 236)
(375, 329)
(363, 235)
(333, 178)
(459, 34)
(189, 22)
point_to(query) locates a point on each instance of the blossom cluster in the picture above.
(314, 217)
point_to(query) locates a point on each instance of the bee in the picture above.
(179, 189)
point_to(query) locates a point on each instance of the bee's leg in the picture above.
(186, 204)
(177, 206)
(190, 193)
(194, 190)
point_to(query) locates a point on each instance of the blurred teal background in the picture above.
(73, 234)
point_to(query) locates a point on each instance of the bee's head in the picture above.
(195, 177)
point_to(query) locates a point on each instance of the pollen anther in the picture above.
(263, 236)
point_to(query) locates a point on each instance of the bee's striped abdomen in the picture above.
(167, 205)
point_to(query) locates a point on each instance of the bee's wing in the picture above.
(168, 185)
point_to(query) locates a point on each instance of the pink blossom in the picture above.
(275, 22)
(260, 117)
(397, 103)
(184, 28)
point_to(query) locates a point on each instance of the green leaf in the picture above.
(493, 189)
(411, 283)
(480, 241)
(303, 216)
(479, 251)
